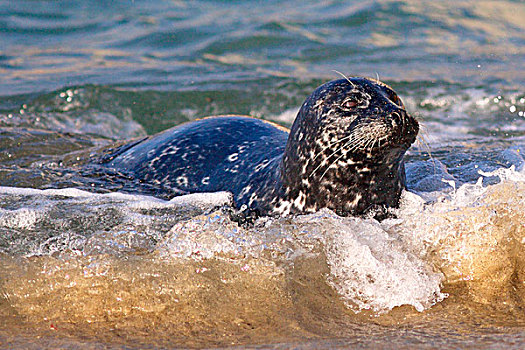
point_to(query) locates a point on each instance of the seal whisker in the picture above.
(327, 158)
(368, 144)
(331, 144)
(421, 139)
(353, 139)
(358, 143)
(363, 143)
(328, 168)
(373, 145)
(362, 138)
(344, 76)
(354, 142)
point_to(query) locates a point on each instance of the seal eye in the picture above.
(349, 103)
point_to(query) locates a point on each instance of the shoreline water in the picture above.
(81, 267)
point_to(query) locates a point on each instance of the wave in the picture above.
(472, 234)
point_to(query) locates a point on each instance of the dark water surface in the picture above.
(84, 268)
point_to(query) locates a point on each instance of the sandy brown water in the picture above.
(118, 288)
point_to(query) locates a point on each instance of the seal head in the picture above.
(344, 152)
(346, 148)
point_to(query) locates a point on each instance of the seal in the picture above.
(344, 152)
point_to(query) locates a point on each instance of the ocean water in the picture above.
(87, 263)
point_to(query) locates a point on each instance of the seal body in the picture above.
(238, 154)
(344, 152)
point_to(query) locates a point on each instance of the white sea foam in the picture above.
(42, 222)
(211, 198)
(450, 118)
(204, 237)
(22, 218)
(372, 269)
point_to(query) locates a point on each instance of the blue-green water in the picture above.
(80, 75)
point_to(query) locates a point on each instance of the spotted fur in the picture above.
(344, 151)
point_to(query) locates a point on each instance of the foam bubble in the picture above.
(23, 218)
(204, 237)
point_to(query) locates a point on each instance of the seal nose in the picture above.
(406, 125)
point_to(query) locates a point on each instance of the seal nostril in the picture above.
(396, 119)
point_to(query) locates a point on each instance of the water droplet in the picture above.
(512, 109)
